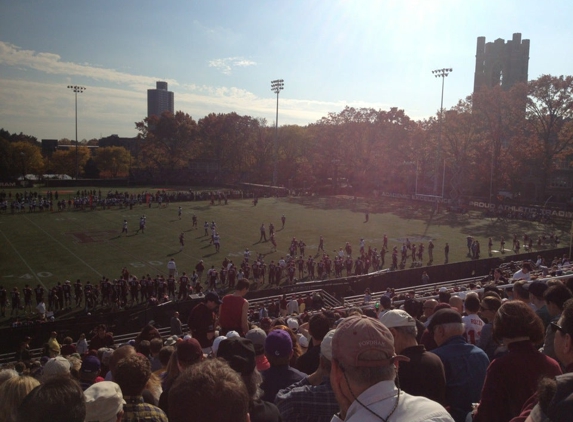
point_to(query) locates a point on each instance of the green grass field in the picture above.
(50, 247)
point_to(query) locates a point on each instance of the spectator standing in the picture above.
(488, 308)
(318, 327)
(555, 298)
(234, 310)
(101, 339)
(278, 350)
(473, 324)
(465, 365)
(176, 328)
(363, 377)
(312, 398)
(513, 378)
(202, 321)
(433, 384)
(104, 402)
(536, 290)
(132, 374)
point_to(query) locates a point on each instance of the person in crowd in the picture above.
(147, 333)
(488, 308)
(197, 394)
(58, 366)
(132, 374)
(6, 374)
(318, 326)
(117, 355)
(56, 399)
(240, 355)
(433, 384)
(554, 399)
(312, 398)
(89, 371)
(176, 327)
(428, 310)
(187, 354)
(512, 379)
(457, 303)
(258, 337)
(524, 273)
(12, 393)
(104, 402)
(233, 311)
(101, 339)
(363, 376)
(465, 365)
(555, 297)
(202, 321)
(385, 305)
(278, 350)
(155, 347)
(536, 290)
(53, 346)
(82, 346)
(473, 324)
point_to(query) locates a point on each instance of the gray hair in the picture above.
(370, 375)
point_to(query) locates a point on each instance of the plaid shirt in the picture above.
(304, 402)
(136, 410)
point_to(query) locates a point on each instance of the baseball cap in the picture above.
(302, 341)
(397, 318)
(232, 334)
(170, 341)
(90, 365)
(104, 401)
(189, 351)
(536, 288)
(444, 316)
(213, 297)
(326, 345)
(258, 337)
(239, 353)
(278, 344)
(57, 366)
(443, 289)
(359, 334)
(216, 343)
(292, 324)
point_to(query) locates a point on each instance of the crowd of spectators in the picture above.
(493, 353)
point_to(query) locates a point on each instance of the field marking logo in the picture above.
(94, 236)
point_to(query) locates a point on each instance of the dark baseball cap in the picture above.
(239, 353)
(444, 316)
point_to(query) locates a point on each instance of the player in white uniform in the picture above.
(124, 228)
(180, 212)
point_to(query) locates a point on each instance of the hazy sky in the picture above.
(220, 56)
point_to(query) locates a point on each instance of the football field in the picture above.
(49, 247)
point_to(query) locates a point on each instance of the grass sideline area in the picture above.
(50, 247)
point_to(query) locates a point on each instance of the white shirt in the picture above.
(292, 306)
(381, 399)
(171, 265)
(473, 325)
(521, 275)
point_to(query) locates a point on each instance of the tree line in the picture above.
(515, 140)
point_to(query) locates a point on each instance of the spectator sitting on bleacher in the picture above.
(101, 339)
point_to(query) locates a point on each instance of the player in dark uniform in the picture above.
(27, 298)
(15, 301)
(39, 291)
(3, 300)
(67, 294)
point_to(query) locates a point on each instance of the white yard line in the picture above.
(63, 246)
(24, 261)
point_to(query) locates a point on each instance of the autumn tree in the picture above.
(166, 144)
(63, 161)
(113, 161)
(550, 122)
(26, 158)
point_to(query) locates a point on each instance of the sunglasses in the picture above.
(555, 328)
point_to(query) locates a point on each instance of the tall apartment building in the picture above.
(159, 100)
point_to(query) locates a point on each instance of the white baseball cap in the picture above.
(326, 345)
(397, 318)
(104, 401)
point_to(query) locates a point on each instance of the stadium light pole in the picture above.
(276, 86)
(440, 73)
(77, 89)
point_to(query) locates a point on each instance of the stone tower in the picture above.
(501, 63)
